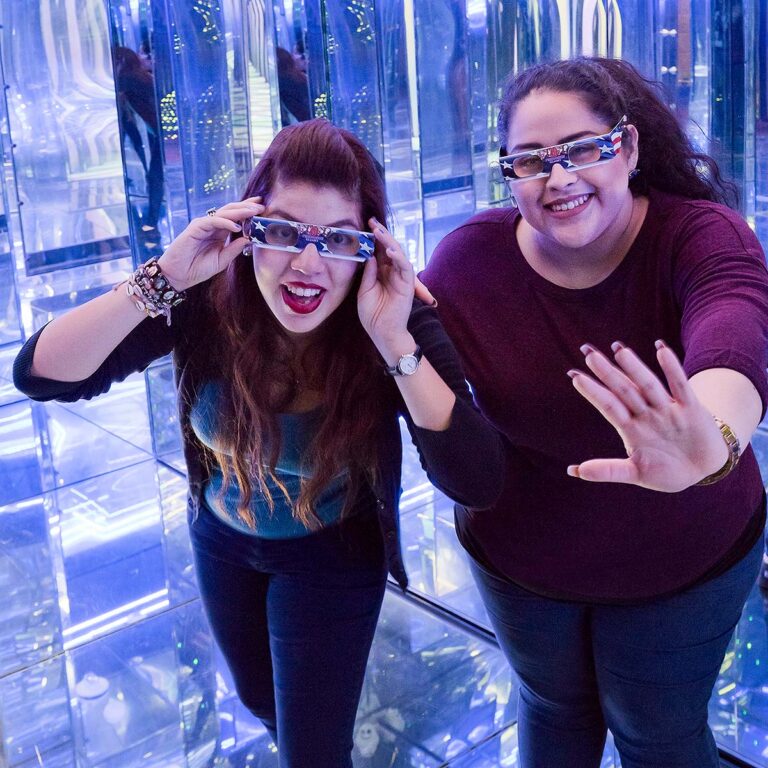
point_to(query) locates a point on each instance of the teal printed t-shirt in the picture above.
(297, 430)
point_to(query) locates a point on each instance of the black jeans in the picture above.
(295, 619)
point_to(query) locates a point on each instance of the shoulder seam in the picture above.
(697, 205)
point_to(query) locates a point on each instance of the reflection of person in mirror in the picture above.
(294, 88)
(145, 56)
(298, 345)
(300, 55)
(457, 78)
(136, 99)
(624, 360)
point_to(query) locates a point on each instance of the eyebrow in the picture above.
(564, 140)
(342, 223)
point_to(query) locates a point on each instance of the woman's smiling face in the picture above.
(302, 290)
(573, 209)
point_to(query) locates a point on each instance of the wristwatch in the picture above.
(407, 365)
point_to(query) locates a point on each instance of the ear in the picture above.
(631, 143)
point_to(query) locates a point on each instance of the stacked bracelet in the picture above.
(151, 292)
(734, 454)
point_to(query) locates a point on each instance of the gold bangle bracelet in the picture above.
(734, 454)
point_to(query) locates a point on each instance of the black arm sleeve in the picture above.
(465, 461)
(150, 340)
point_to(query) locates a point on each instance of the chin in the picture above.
(577, 242)
(298, 325)
(576, 236)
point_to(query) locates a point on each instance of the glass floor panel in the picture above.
(500, 751)
(8, 393)
(431, 692)
(158, 694)
(46, 446)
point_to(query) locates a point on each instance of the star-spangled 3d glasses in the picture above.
(573, 156)
(295, 236)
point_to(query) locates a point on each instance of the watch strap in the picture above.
(734, 454)
(396, 370)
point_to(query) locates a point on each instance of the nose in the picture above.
(308, 261)
(559, 177)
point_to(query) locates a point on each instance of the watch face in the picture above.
(408, 365)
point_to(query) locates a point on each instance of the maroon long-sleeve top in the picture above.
(695, 277)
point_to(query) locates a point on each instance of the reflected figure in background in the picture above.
(300, 56)
(297, 348)
(613, 584)
(136, 99)
(293, 85)
(457, 77)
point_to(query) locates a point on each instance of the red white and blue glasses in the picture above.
(295, 236)
(573, 156)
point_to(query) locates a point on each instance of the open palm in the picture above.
(670, 438)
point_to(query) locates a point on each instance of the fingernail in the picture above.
(248, 250)
(585, 349)
(573, 470)
(659, 344)
(617, 346)
(573, 373)
(433, 304)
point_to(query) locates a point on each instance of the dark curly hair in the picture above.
(612, 88)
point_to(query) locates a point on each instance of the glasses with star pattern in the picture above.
(294, 236)
(573, 156)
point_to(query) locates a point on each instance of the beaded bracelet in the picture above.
(149, 290)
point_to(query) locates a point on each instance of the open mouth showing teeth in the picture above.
(302, 300)
(309, 293)
(570, 205)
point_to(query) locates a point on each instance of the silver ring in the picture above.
(210, 212)
(248, 250)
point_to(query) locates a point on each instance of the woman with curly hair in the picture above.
(616, 562)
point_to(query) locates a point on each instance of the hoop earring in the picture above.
(633, 173)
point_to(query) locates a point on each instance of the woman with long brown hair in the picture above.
(297, 344)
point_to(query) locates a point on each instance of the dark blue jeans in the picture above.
(294, 619)
(644, 671)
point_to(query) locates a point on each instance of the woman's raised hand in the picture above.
(386, 291)
(670, 438)
(202, 250)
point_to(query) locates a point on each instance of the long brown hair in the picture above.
(611, 88)
(256, 353)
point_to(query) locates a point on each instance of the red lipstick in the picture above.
(302, 305)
